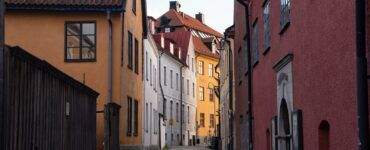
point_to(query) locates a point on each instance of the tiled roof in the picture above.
(166, 48)
(92, 5)
(201, 48)
(182, 19)
(182, 38)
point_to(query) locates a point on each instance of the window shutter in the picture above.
(274, 132)
(297, 130)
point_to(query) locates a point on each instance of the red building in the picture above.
(300, 81)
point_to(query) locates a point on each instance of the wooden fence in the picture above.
(43, 108)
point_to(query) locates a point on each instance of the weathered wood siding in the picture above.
(35, 107)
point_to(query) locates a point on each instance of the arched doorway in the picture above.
(284, 126)
(324, 134)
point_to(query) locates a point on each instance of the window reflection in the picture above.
(80, 44)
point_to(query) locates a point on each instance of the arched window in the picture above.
(324, 132)
(284, 126)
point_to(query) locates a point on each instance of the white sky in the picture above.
(218, 14)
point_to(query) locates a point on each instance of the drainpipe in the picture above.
(2, 46)
(361, 68)
(181, 101)
(163, 105)
(250, 76)
(107, 142)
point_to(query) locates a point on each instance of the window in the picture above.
(134, 6)
(210, 91)
(171, 48)
(201, 93)
(80, 41)
(136, 56)
(171, 78)
(151, 71)
(177, 81)
(201, 120)
(146, 67)
(188, 114)
(165, 75)
(151, 118)
(284, 14)
(255, 53)
(187, 86)
(130, 50)
(193, 89)
(155, 79)
(192, 64)
(171, 106)
(129, 116)
(136, 118)
(147, 117)
(200, 67)
(177, 112)
(266, 26)
(210, 70)
(164, 107)
(212, 120)
(182, 113)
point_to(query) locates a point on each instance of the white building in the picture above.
(177, 73)
(151, 90)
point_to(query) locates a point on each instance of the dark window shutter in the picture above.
(297, 130)
(136, 118)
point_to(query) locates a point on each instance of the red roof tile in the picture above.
(182, 19)
(47, 4)
(201, 48)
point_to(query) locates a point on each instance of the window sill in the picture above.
(284, 28)
(266, 50)
(79, 60)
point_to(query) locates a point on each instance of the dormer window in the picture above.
(166, 30)
(171, 48)
(162, 41)
(179, 53)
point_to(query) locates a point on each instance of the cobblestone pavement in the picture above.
(189, 148)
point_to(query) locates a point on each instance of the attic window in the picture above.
(166, 30)
(179, 53)
(171, 48)
(162, 41)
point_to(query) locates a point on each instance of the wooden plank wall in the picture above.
(35, 107)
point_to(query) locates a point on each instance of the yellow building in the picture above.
(98, 43)
(207, 83)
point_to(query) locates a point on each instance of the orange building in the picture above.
(96, 42)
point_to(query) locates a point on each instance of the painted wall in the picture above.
(206, 106)
(324, 85)
(132, 84)
(189, 95)
(151, 92)
(170, 94)
(43, 35)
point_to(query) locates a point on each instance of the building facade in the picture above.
(227, 103)
(297, 78)
(151, 93)
(98, 44)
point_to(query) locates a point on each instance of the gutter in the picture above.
(107, 111)
(181, 103)
(361, 76)
(250, 76)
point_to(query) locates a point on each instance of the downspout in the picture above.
(163, 105)
(110, 53)
(107, 134)
(230, 72)
(2, 89)
(361, 75)
(250, 76)
(181, 99)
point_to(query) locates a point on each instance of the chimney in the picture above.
(175, 5)
(200, 17)
(162, 41)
